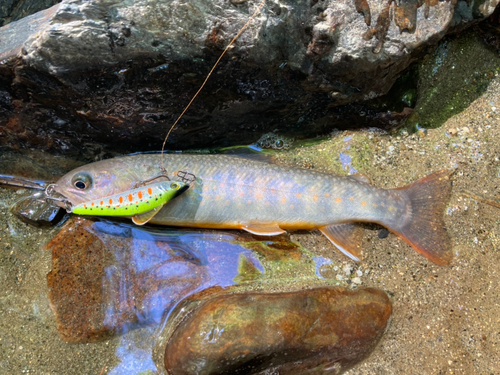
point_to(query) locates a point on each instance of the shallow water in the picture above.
(126, 290)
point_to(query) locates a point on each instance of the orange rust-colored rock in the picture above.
(320, 331)
(106, 278)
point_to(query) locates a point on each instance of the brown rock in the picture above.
(107, 277)
(320, 331)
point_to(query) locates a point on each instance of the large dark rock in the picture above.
(119, 73)
(318, 331)
(13, 10)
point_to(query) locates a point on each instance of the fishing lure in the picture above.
(141, 203)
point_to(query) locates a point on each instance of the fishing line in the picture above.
(208, 76)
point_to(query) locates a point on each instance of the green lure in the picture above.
(141, 203)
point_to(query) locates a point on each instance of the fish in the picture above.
(266, 199)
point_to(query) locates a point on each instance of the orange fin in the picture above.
(346, 237)
(263, 229)
(361, 178)
(425, 230)
(143, 218)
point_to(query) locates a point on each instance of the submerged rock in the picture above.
(34, 211)
(317, 331)
(108, 278)
(119, 73)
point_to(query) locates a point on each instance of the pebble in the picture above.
(356, 280)
(347, 269)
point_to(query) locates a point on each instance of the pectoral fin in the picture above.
(346, 237)
(263, 229)
(143, 218)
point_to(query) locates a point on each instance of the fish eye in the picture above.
(175, 186)
(82, 181)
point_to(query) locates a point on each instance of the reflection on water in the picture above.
(113, 278)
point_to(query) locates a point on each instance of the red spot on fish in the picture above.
(130, 198)
(102, 203)
(283, 200)
(338, 200)
(363, 204)
(327, 195)
(298, 195)
(242, 194)
(120, 199)
(139, 194)
(351, 198)
(92, 204)
(110, 201)
(315, 197)
(84, 206)
(258, 196)
(150, 191)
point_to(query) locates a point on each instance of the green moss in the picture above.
(457, 73)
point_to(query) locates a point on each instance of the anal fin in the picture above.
(346, 238)
(263, 229)
(143, 218)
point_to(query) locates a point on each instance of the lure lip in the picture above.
(56, 199)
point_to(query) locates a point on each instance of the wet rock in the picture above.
(108, 278)
(37, 212)
(117, 74)
(453, 76)
(13, 10)
(320, 331)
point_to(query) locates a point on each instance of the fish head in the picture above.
(97, 180)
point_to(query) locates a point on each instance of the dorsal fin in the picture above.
(361, 178)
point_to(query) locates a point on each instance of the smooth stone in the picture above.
(318, 331)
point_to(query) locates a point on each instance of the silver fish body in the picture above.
(266, 199)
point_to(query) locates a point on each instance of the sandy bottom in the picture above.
(446, 319)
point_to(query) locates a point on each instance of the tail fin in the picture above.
(425, 232)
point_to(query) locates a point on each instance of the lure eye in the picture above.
(82, 181)
(175, 186)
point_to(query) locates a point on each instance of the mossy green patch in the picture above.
(451, 78)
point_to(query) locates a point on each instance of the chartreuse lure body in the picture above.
(141, 203)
